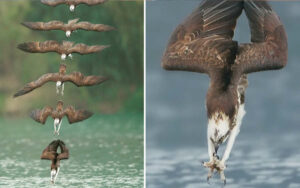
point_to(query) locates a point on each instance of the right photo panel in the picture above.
(222, 94)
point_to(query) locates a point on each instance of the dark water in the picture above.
(105, 151)
(266, 153)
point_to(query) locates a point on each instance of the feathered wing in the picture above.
(41, 115)
(53, 2)
(76, 115)
(93, 27)
(38, 83)
(84, 49)
(45, 26)
(268, 50)
(90, 2)
(50, 152)
(40, 47)
(79, 79)
(204, 40)
(64, 151)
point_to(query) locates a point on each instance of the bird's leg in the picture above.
(212, 156)
(56, 122)
(68, 33)
(62, 89)
(56, 175)
(72, 8)
(58, 127)
(63, 56)
(70, 56)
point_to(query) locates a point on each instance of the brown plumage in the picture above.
(64, 48)
(58, 113)
(71, 26)
(203, 43)
(76, 78)
(71, 3)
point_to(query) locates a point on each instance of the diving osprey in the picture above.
(72, 3)
(51, 153)
(76, 78)
(203, 43)
(71, 26)
(58, 113)
(65, 49)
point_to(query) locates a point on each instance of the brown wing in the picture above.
(40, 47)
(268, 49)
(76, 115)
(203, 41)
(64, 151)
(50, 77)
(90, 2)
(53, 25)
(93, 27)
(41, 115)
(79, 79)
(53, 3)
(50, 152)
(84, 49)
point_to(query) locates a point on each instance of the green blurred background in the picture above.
(122, 62)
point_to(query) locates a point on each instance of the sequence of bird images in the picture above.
(117, 101)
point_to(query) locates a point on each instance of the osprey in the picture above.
(203, 43)
(71, 26)
(65, 49)
(50, 153)
(58, 113)
(72, 3)
(76, 78)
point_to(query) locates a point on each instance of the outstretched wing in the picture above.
(53, 25)
(79, 79)
(84, 49)
(53, 3)
(76, 115)
(64, 151)
(38, 83)
(90, 2)
(203, 42)
(268, 50)
(93, 27)
(40, 47)
(41, 115)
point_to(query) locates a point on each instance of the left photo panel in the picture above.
(72, 93)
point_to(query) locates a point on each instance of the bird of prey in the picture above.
(65, 48)
(71, 26)
(50, 153)
(76, 78)
(72, 3)
(203, 43)
(57, 114)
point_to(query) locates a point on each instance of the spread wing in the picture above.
(268, 49)
(64, 151)
(38, 83)
(93, 27)
(53, 3)
(84, 49)
(41, 115)
(203, 41)
(90, 2)
(79, 79)
(53, 25)
(50, 152)
(76, 115)
(40, 47)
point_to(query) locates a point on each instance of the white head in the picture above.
(63, 56)
(68, 33)
(58, 83)
(70, 56)
(72, 8)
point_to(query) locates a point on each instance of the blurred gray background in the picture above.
(266, 152)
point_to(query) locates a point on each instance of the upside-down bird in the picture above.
(71, 26)
(72, 3)
(66, 48)
(76, 78)
(203, 43)
(58, 113)
(50, 153)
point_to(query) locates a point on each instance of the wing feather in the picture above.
(46, 26)
(40, 47)
(93, 27)
(84, 49)
(38, 83)
(79, 79)
(76, 115)
(41, 115)
(53, 3)
(204, 40)
(269, 49)
(50, 152)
